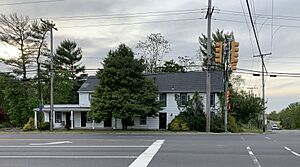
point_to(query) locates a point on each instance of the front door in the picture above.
(162, 120)
(68, 119)
(83, 119)
(107, 123)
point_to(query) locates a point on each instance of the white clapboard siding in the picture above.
(84, 100)
(151, 123)
(97, 125)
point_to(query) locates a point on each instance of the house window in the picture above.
(163, 99)
(91, 96)
(183, 99)
(143, 120)
(212, 100)
(58, 117)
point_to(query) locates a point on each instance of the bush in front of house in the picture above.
(46, 126)
(29, 125)
(217, 123)
(179, 123)
(233, 126)
(67, 127)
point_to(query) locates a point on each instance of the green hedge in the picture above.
(179, 123)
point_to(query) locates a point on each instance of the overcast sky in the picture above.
(100, 25)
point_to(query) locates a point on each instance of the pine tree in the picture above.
(68, 65)
(124, 92)
(68, 57)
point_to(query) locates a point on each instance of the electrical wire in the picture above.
(29, 2)
(131, 23)
(124, 15)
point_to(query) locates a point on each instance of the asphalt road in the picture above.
(279, 149)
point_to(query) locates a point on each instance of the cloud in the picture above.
(182, 35)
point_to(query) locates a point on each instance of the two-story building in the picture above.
(170, 85)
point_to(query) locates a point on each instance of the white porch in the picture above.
(71, 115)
(76, 117)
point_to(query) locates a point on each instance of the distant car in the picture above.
(275, 127)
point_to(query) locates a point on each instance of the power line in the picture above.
(278, 25)
(133, 23)
(269, 16)
(253, 28)
(125, 15)
(30, 2)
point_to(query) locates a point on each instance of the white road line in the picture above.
(287, 148)
(47, 146)
(67, 157)
(243, 139)
(293, 152)
(254, 159)
(268, 138)
(144, 159)
(51, 143)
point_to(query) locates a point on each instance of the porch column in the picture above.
(72, 120)
(93, 124)
(35, 120)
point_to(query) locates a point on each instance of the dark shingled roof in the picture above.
(173, 82)
(187, 82)
(89, 85)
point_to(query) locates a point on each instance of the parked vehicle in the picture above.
(275, 127)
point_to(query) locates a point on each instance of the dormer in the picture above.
(86, 90)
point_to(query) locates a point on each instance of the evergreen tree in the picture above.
(124, 92)
(171, 66)
(195, 114)
(15, 30)
(69, 71)
(218, 36)
(68, 57)
(20, 99)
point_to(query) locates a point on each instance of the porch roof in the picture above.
(64, 108)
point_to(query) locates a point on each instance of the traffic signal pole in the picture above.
(226, 62)
(231, 53)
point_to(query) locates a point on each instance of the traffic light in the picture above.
(234, 55)
(227, 100)
(219, 52)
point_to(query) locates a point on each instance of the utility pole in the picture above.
(263, 87)
(208, 74)
(51, 25)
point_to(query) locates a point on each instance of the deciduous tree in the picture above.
(153, 50)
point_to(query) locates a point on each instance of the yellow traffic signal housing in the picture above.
(219, 52)
(234, 55)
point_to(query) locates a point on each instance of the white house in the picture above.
(169, 85)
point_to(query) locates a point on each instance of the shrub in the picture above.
(194, 113)
(67, 127)
(46, 126)
(29, 125)
(179, 123)
(233, 126)
(217, 123)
